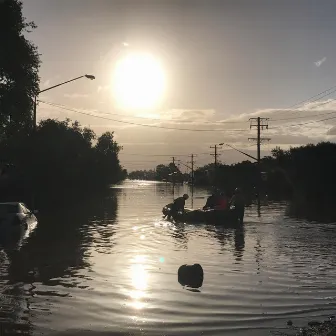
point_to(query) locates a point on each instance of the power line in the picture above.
(313, 101)
(143, 161)
(320, 95)
(307, 116)
(169, 155)
(144, 125)
(146, 118)
(309, 102)
(302, 117)
(317, 95)
(306, 123)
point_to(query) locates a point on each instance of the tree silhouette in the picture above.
(19, 64)
(60, 157)
(142, 175)
(107, 162)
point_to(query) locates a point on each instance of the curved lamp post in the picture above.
(54, 86)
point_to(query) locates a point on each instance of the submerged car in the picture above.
(16, 219)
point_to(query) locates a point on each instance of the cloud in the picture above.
(75, 95)
(309, 123)
(332, 131)
(46, 83)
(103, 88)
(320, 62)
(287, 126)
(46, 112)
(191, 116)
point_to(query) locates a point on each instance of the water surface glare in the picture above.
(110, 266)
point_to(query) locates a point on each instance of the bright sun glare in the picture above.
(138, 82)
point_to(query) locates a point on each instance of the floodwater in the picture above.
(110, 265)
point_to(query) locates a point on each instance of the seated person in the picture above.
(211, 201)
(221, 202)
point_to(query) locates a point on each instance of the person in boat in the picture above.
(217, 201)
(221, 201)
(211, 201)
(177, 205)
(238, 202)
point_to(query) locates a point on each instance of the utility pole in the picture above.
(215, 147)
(173, 173)
(215, 154)
(260, 124)
(192, 180)
(192, 168)
(192, 162)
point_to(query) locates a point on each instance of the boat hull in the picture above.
(228, 217)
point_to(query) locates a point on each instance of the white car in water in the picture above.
(16, 218)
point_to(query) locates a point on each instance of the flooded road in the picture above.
(110, 266)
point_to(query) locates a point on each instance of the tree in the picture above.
(60, 159)
(19, 65)
(168, 172)
(142, 175)
(108, 165)
(106, 144)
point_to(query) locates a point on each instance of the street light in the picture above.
(91, 77)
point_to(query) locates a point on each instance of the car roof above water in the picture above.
(11, 207)
(11, 203)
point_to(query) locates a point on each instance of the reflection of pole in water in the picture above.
(173, 191)
(259, 206)
(258, 254)
(239, 241)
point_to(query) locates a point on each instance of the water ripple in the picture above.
(111, 268)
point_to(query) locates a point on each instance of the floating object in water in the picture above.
(191, 275)
(289, 322)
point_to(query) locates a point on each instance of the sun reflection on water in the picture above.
(139, 280)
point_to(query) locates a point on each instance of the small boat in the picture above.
(227, 217)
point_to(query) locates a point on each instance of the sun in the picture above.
(138, 82)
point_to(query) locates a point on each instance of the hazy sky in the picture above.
(223, 60)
